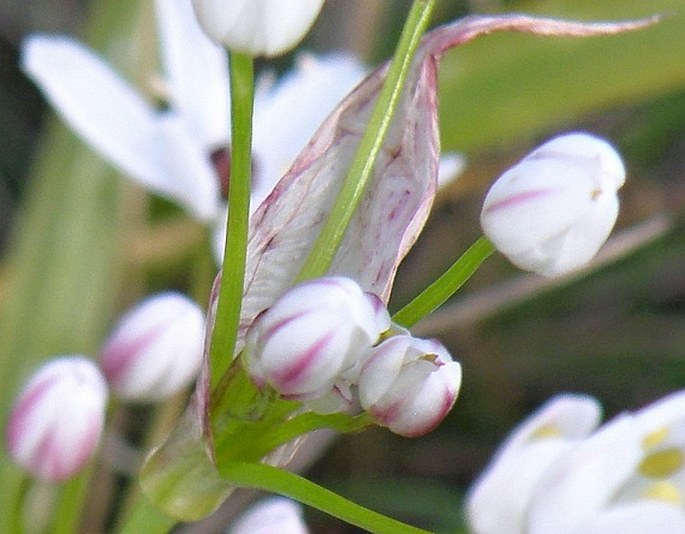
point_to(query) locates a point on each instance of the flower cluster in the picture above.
(328, 343)
(559, 472)
(154, 352)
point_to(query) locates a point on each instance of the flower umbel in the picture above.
(552, 211)
(57, 421)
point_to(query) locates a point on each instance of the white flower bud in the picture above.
(313, 336)
(409, 384)
(56, 423)
(276, 515)
(552, 211)
(156, 349)
(257, 27)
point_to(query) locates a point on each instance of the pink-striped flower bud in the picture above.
(552, 211)
(156, 349)
(257, 27)
(314, 336)
(56, 423)
(409, 385)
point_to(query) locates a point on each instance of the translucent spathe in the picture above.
(56, 423)
(257, 27)
(552, 211)
(156, 348)
(409, 385)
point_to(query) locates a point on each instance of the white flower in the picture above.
(313, 338)
(156, 348)
(552, 211)
(257, 27)
(276, 515)
(628, 476)
(499, 499)
(409, 385)
(169, 152)
(57, 421)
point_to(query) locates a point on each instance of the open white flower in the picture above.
(628, 476)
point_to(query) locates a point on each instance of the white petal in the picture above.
(257, 27)
(101, 107)
(196, 71)
(194, 179)
(637, 518)
(450, 167)
(276, 515)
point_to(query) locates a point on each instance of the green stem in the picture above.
(445, 286)
(361, 171)
(283, 482)
(230, 297)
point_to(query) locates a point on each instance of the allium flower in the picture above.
(177, 153)
(409, 385)
(257, 27)
(276, 515)
(156, 349)
(629, 476)
(57, 421)
(502, 493)
(313, 337)
(552, 211)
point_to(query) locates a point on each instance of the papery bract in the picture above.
(313, 335)
(552, 211)
(156, 348)
(257, 27)
(276, 515)
(409, 385)
(56, 423)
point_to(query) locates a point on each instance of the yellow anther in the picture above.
(546, 431)
(662, 464)
(656, 437)
(666, 491)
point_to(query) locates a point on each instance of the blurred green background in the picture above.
(77, 244)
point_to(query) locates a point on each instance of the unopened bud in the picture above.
(276, 515)
(57, 421)
(156, 349)
(552, 211)
(409, 385)
(257, 27)
(313, 336)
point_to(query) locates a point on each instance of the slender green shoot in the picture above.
(444, 287)
(227, 319)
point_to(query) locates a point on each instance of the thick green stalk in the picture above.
(283, 482)
(227, 319)
(445, 286)
(361, 171)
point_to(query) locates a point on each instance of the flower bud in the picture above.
(156, 349)
(313, 336)
(552, 211)
(409, 384)
(56, 423)
(257, 27)
(276, 515)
